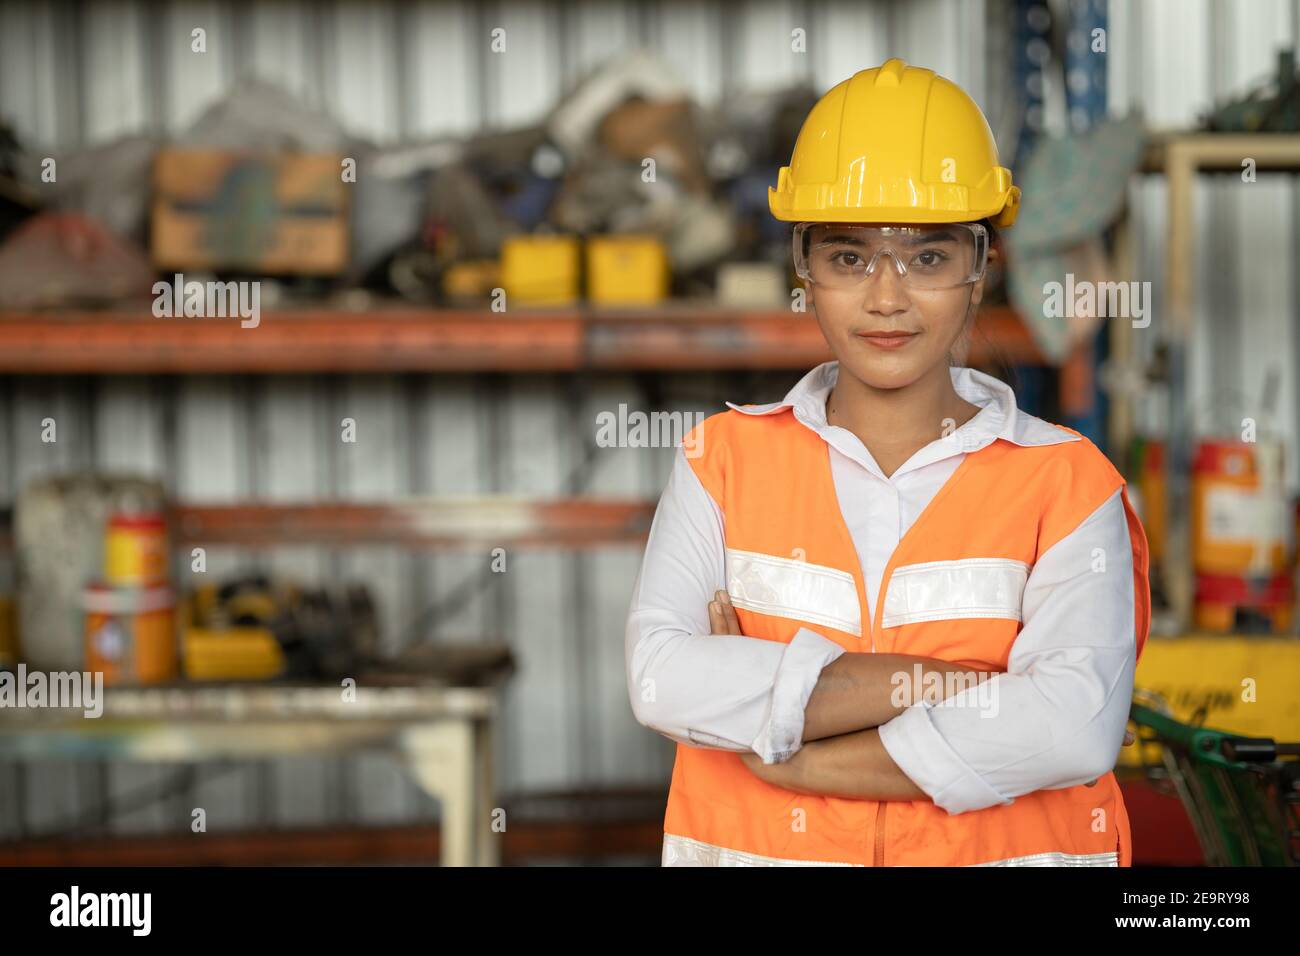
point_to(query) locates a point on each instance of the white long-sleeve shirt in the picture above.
(1063, 702)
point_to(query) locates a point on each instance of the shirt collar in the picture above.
(998, 416)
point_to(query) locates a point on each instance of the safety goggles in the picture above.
(928, 257)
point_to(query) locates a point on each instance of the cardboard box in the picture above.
(277, 214)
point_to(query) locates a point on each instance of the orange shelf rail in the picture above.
(442, 523)
(406, 339)
(434, 524)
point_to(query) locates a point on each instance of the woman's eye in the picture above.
(929, 259)
(848, 259)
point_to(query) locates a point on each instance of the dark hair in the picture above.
(969, 325)
(993, 233)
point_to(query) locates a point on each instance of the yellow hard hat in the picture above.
(895, 144)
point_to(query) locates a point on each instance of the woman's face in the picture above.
(863, 325)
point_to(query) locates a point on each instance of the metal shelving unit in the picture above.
(406, 339)
(1180, 157)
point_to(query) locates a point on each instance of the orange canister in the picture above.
(131, 634)
(1238, 508)
(135, 550)
(1235, 603)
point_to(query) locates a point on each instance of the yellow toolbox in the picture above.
(626, 270)
(236, 653)
(227, 653)
(540, 270)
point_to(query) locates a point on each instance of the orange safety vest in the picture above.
(787, 545)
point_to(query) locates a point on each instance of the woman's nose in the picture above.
(885, 290)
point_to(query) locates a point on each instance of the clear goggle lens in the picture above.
(942, 256)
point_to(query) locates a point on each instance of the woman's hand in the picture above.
(722, 616)
(723, 620)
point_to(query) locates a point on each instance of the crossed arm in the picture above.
(842, 755)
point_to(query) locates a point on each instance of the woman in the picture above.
(891, 619)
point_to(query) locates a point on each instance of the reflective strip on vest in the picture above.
(683, 851)
(784, 587)
(946, 590)
(1059, 859)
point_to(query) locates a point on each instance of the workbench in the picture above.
(443, 734)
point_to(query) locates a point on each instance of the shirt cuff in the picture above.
(921, 752)
(796, 676)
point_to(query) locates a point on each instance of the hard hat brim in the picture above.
(1001, 215)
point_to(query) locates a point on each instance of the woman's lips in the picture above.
(888, 340)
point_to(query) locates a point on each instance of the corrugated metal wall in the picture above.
(80, 74)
